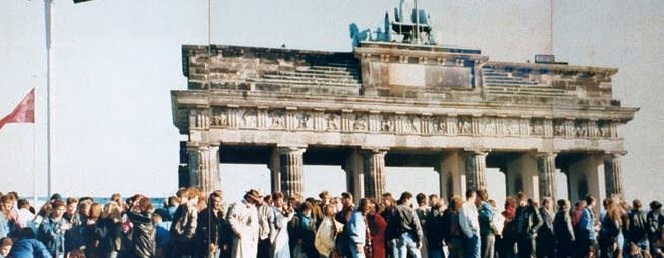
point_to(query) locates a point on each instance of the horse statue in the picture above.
(358, 36)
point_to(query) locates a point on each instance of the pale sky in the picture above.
(116, 62)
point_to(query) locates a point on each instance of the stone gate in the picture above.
(394, 104)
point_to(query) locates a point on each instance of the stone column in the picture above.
(275, 171)
(476, 170)
(204, 168)
(452, 174)
(374, 177)
(354, 174)
(613, 174)
(546, 170)
(291, 167)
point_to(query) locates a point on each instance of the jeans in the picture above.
(408, 246)
(356, 253)
(473, 245)
(392, 250)
(526, 247)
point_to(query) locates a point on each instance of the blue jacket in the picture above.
(357, 228)
(29, 248)
(51, 234)
(587, 225)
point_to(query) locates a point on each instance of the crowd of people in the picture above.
(195, 225)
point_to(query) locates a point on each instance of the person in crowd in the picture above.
(434, 227)
(209, 229)
(527, 222)
(505, 243)
(24, 217)
(89, 228)
(356, 228)
(347, 208)
(377, 226)
(546, 241)
(470, 225)
(657, 246)
(24, 246)
(655, 222)
(610, 229)
(454, 235)
(586, 235)
(410, 229)
(265, 216)
(389, 213)
(75, 236)
(6, 245)
(243, 219)
(638, 226)
(563, 230)
(162, 235)
(185, 220)
(71, 210)
(422, 212)
(327, 233)
(325, 199)
(486, 215)
(52, 230)
(6, 220)
(305, 232)
(109, 231)
(143, 234)
(279, 238)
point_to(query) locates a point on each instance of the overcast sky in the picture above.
(117, 61)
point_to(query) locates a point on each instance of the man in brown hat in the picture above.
(243, 218)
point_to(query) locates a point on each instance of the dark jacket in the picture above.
(144, 235)
(654, 225)
(109, 235)
(527, 222)
(409, 222)
(209, 231)
(562, 227)
(434, 228)
(392, 218)
(638, 226)
(29, 248)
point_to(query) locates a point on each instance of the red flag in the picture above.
(23, 113)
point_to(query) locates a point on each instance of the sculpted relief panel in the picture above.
(413, 124)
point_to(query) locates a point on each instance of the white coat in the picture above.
(243, 218)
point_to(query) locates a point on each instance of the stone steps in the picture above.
(524, 91)
(312, 79)
(315, 74)
(305, 82)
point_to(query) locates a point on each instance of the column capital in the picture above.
(478, 151)
(374, 150)
(285, 149)
(614, 154)
(545, 154)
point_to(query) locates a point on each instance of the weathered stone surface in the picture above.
(410, 99)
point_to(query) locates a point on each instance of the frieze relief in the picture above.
(219, 117)
(465, 125)
(414, 124)
(537, 127)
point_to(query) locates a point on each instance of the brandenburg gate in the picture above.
(399, 99)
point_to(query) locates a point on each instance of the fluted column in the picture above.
(291, 167)
(613, 174)
(374, 176)
(204, 168)
(476, 170)
(546, 171)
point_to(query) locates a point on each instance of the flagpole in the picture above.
(34, 160)
(48, 22)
